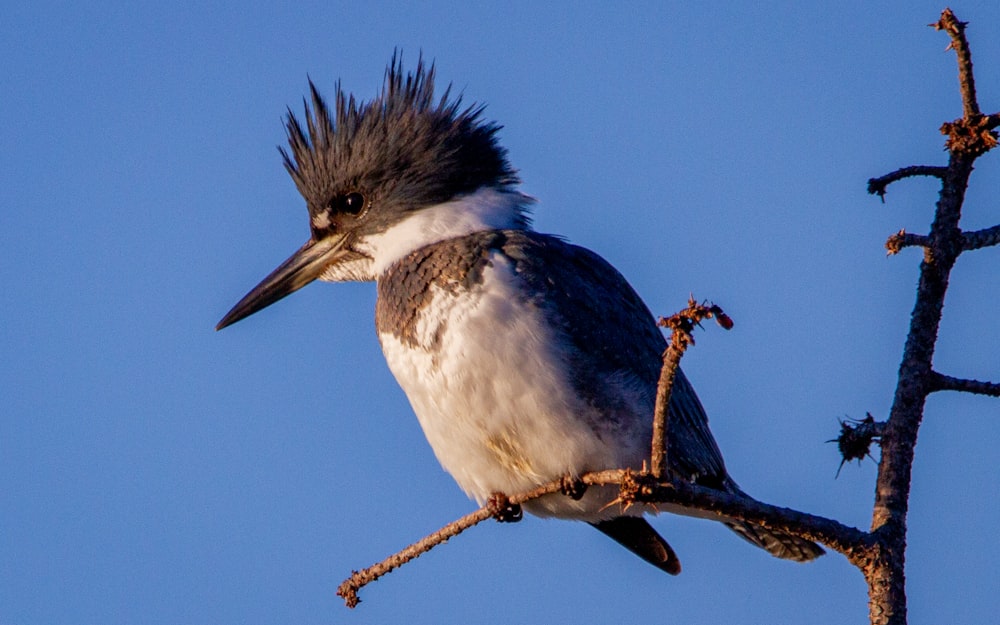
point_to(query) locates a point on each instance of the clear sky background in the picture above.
(155, 471)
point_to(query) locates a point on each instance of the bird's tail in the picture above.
(776, 543)
(638, 536)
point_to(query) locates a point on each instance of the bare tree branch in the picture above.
(681, 325)
(849, 541)
(640, 487)
(969, 138)
(941, 382)
(349, 588)
(877, 186)
(967, 84)
(981, 238)
(679, 341)
(896, 242)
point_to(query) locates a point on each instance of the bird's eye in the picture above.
(353, 203)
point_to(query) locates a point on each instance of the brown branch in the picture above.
(681, 325)
(981, 238)
(877, 186)
(969, 138)
(640, 487)
(896, 242)
(941, 382)
(967, 84)
(664, 388)
(844, 539)
(972, 134)
(349, 588)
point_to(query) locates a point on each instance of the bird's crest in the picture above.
(426, 147)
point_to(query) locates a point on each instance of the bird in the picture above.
(524, 357)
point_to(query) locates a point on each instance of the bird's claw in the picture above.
(502, 509)
(573, 487)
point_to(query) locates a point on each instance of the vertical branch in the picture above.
(661, 414)
(681, 325)
(966, 81)
(886, 571)
(968, 138)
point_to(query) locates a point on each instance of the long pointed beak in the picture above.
(300, 269)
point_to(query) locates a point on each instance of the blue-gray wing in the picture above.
(613, 337)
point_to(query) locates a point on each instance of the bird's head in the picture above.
(382, 177)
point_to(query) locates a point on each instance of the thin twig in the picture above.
(967, 84)
(661, 414)
(981, 238)
(349, 588)
(973, 134)
(896, 242)
(941, 382)
(681, 325)
(877, 186)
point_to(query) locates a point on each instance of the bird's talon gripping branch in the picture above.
(573, 487)
(502, 509)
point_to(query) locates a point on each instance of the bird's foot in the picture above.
(502, 509)
(573, 487)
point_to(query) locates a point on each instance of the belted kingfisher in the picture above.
(524, 357)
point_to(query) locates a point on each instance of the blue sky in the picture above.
(154, 471)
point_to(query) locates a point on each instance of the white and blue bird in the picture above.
(524, 357)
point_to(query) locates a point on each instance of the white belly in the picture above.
(495, 402)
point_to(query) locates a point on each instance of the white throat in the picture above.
(486, 209)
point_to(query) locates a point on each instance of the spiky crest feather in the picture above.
(403, 146)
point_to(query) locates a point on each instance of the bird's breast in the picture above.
(486, 373)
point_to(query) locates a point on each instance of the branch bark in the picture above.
(941, 382)
(981, 238)
(681, 325)
(641, 487)
(877, 186)
(968, 139)
(896, 242)
(967, 84)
